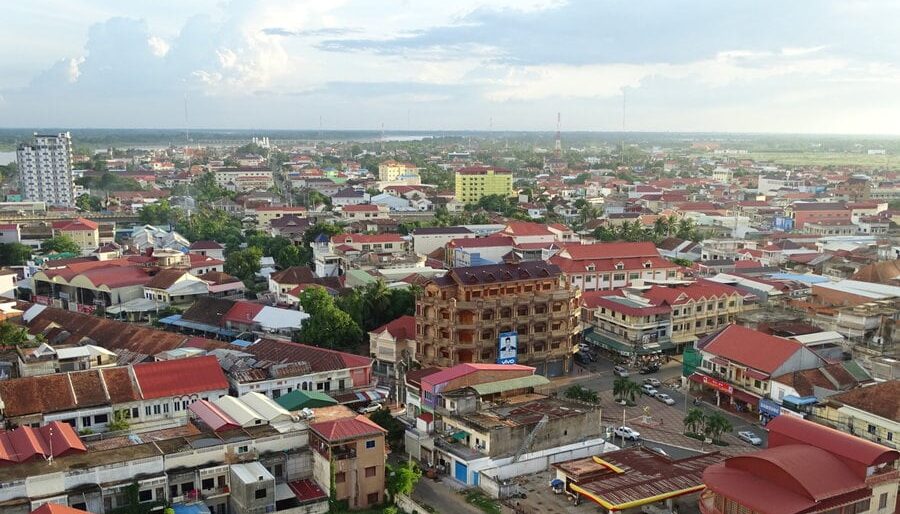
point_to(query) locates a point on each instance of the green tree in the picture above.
(14, 254)
(625, 389)
(214, 225)
(244, 264)
(60, 244)
(395, 429)
(694, 421)
(716, 425)
(159, 213)
(206, 189)
(328, 326)
(288, 256)
(88, 203)
(13, 335)
(577, 392)
(402, 478)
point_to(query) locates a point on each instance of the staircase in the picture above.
(529, 440)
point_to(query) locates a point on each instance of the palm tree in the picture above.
(625, 389)
(694, 420)
(716, 425)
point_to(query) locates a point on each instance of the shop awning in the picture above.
(745, 397)
(461, 435)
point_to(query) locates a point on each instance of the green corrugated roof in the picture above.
(296, 400)
(856, 370)
(510, 384)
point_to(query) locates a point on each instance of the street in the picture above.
(598, 376)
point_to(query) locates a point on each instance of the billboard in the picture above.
(508, 348)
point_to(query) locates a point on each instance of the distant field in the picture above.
(828, 159)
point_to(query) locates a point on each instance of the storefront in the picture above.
(727, 394)
(769, 410)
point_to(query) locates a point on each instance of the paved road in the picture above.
(442, 497)
(598, 376)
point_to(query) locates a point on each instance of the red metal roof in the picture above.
(306, 490)
(24, 443)
(364, 207)
(461, 370)
(347, 428)
(178, 377)
(77, 224)
(751, 348)
(609, 251)
(214, 417)
(242, 312)
(785, 430)
(56, 508)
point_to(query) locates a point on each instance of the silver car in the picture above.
(750, 437)
(620, 371)
(663, 397)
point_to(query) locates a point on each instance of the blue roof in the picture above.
(322, 238)
(796, 400)
(242, 343)
(809, 279)
(176, 320)
(191, 508)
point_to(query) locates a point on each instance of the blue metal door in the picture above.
(462, 472)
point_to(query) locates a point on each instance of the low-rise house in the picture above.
(175, 287)
(428, 239)
(142, 394)
(207, 249)
(355, 212)
(738, 364)
(871, 412)
(393, 348)
(351, 454)
(478, 251)
(223, 285)
(84, 232)
(266, 215)
(46, 359)
(349, 196)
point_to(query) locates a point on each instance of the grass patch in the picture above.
(480, 500)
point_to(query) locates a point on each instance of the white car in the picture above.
(663, 397)
(372, 407)
(627, 433)
(653, 382)
(649, 390)
(750, 437)
(620, 371)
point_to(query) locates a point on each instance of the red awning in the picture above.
(758, 375)
(745, 397)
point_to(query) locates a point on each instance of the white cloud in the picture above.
(795, 51)
(158, 46)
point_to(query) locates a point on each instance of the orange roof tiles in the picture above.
(179, 377)
(347, 428)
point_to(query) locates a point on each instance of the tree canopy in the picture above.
(244, 264)
(60, 244)
(14, 254)
(328, 326)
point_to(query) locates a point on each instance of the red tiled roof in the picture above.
(179, 377)
(319, 359)
(751, 348)
(347, 428)
(77, 224)
(403, 327)
(282, 209)
(306, 490)
(701, 289)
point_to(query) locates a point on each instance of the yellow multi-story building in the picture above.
(84, 232)
(475, 182)
(398, 173)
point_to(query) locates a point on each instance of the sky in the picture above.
(643, 65)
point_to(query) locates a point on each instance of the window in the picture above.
(619, 276)
(207, 483)
(370, 444)
(147, 411)
(370, 471)
(757, 384)
(340, 477)
(134, 412)
(372, 498)
(872, 429)
(145, 496)
(882, 500)
(86, 421)
(101, 418)
(260, 494)
(157, 409)
(243, 449)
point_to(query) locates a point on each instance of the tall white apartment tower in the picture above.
(45, 169)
